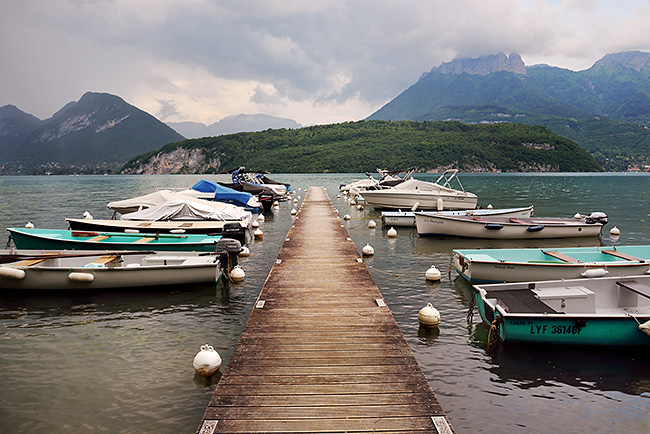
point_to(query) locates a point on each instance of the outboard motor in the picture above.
(597, 217)
(229, 249)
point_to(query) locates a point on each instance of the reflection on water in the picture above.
(122, 361)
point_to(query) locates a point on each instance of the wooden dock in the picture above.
(321, 352)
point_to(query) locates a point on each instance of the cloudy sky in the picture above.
(314, 61)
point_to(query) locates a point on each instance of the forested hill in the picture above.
(367, 145)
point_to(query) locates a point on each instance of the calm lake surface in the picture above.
(122, 362)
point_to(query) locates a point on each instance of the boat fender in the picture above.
(81, 277)
(12, 273)
(594, 272)
(645, 327)
(439, 204)
(131, 231)
(493, 226)
(207, 361)
(535, 228)
(429, 316)
(415, 206)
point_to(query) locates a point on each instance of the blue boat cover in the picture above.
(223, 194)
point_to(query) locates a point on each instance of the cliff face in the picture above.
(178, 161)
(484, 65)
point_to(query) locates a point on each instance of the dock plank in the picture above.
(320, 355)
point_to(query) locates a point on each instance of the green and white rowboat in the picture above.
(610, 311)
(54, 239)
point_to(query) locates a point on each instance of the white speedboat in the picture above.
(74, 270)
(416, 194)
(407, 218)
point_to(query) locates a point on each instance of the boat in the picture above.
(609, 311)
(171, 205)
(62, 270)
(518, 265)
(57, 239)
(416, 194)
(470, 226)
(387, 179)
(259, 185)
(407, 218)
(227, 229)
(213, 191)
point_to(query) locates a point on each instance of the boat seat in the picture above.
(623, 255)
(560, 256)
(98, 238)
(144, 240)
(636, 287)
(30, 262)
(105, 260)
(520, 301)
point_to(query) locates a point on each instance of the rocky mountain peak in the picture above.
(484, 65)
(637, 60)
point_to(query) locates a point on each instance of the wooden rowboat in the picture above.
(69, 271)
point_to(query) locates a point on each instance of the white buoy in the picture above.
(594, 272)
(489, 206)
(360, 207)
(338, 196)
(368, 250)
(237, 274)
(207, 361)
(352, 202)
(255, 224)
(372, 224)
(258, 234)
(29, 225)
(276, 207)
(260, 217)
(577, 216)
(433, 274)
(429, 316)
(12, 273)
(295, 200)
(294, 211)
(87, 215)
(615, 231)
(439, 204)
(347, 217)
(276, 203)
(392, 233)
(245, 251)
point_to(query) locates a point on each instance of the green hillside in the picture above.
(368, 145)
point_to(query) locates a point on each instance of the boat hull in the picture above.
(84, 240)
(407, 218)
(518, 265)
(227, 229)
(502, 228)
(615, 326)
(151, 270)
(386, 199)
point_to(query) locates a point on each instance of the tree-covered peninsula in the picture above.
(367, 145)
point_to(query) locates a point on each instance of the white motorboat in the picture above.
(407, 218)
(75, 270)
(506, 228)
(416, 194)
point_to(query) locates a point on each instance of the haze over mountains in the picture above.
(605, 109)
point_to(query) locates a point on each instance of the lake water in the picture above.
(122, 362)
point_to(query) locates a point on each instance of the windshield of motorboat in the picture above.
(448, 175)
(416, 184)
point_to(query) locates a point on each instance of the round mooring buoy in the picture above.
(207, 361)
(237, 274)
(429, 316)
(260, 217)
(255, 224)
(259, 235)
(29, 225)
(368, 250)
(372, 224)
(294, 211)
(245, 251)
(615, 231)
(87, 215)
(433, 274)
(392, 233)
(347, 217)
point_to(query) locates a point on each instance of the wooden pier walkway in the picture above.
(321, 352)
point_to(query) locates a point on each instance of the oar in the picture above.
(5, 258)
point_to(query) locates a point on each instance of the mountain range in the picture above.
(233, 124)
(98, 132)
(605, 109)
